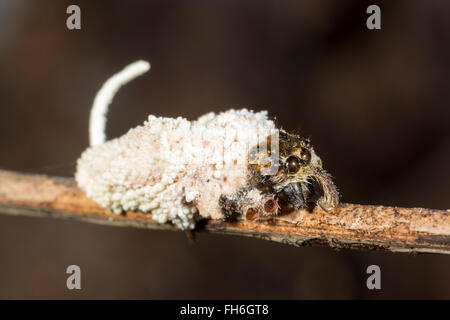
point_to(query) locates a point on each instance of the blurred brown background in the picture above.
(375, 104)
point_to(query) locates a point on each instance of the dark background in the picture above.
(375, 104)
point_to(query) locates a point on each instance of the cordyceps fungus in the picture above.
(232, 164)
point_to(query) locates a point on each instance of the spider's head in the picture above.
(298, 178)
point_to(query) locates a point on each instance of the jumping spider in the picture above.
(297, 181)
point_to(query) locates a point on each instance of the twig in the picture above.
(351, 226)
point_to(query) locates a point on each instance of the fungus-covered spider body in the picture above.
(234, 164)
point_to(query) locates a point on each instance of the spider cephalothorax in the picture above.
(285, 175)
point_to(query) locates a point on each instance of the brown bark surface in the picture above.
(351, 225)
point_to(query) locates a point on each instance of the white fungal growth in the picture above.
(174, 168)
(105, 96)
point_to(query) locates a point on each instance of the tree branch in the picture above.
(351, 226)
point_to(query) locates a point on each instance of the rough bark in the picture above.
(351, 226)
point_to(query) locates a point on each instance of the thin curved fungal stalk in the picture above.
(105, 95)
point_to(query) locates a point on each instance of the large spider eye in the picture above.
(305, 155)
(292, 164)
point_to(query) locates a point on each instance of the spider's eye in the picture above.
(305, 155)
(292, 164)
